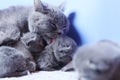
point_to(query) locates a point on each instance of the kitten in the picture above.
(33, 42)
(12, 62)
(27, 54)
(31, 45)
(100, 61)
(57, 54)
(48, 21)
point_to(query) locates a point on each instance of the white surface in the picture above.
(43, 75)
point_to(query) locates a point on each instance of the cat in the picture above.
(27, 54)
(57, 54)
(42, 18)
(13, 23)
(12, 62)
(48, 21)
(33, 42)
(30, 44)
(100, 61)
(8, 35)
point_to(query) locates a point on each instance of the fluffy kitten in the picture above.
(100, 61)
(57, 54)
(12, 62)
(33, 42)
(30, 44)
(27, 54)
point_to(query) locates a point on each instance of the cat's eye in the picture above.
(64, 26)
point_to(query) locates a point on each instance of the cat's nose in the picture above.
(60, 32)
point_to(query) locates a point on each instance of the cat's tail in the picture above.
(14, 74)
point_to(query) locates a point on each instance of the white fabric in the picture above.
(44, 75)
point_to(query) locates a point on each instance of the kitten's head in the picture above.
(64, 47)
(33, 42)
(47, 19)
(98, 61)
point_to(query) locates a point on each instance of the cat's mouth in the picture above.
(52, 41)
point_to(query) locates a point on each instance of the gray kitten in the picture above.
(30, 44)
(100, 61)
(27, 54)
(33, 42)
(12, 62)
(48, 21)
(57, 54)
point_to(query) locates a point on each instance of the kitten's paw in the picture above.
(31, 66)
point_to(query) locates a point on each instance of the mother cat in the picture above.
(15, 20)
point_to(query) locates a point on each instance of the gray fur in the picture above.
(42, 18)
(57, 54)
(13, 22)
(15, 16)
(47, 21)
(27, 54)
(33, 42)
(100, 61)
(12, 62)
(9, 34)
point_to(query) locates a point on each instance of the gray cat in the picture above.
(27, 54)
(57, 54)
(12, 62)
(33, 42)
(41, 19)
(100, 61)
(48, 21)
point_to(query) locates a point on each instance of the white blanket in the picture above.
(44, 75)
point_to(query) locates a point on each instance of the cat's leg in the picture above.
(31, 65)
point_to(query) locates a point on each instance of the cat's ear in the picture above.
(39, 6)
(62, 6)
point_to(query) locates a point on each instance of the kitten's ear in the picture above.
(39, 6)
(62, 6)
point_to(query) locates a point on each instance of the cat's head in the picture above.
(33, 42)
(64, 48)
(47, 19)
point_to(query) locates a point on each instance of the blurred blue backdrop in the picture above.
(95, 19)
